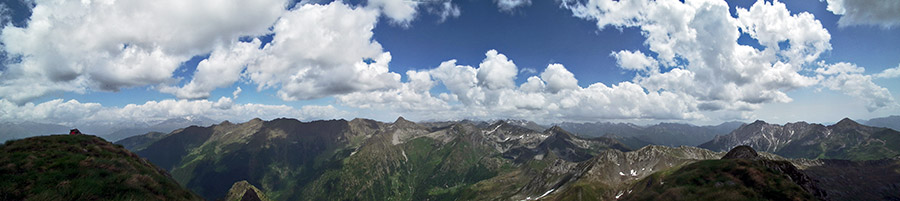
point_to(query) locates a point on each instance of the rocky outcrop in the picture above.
(244, 191)
(742, 152)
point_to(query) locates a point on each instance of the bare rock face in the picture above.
(743, 151)
(244, 191)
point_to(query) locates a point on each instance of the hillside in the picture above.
(81, 167)
(846, 139)
(740, 175)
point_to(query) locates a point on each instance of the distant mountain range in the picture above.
(10, 131)
(286, 159)
(846, 139)
(109, 131)
(892, 122)
(165, 126)
(668, 134)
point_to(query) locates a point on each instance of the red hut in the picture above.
(74, 132)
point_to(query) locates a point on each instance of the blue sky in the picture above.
(547, 61)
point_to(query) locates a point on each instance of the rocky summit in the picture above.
(846, 139)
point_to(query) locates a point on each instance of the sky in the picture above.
(640, 61)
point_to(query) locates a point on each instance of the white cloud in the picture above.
(839, 68)
(635, 61)
(848, 79)
(554, 96)
(558, 78)
(411, 96)
(698, 39)
(75, 113)
(510, 5)
(401, 12)
(236, 92)
(447, 10)
(527, 71)
(108, 45)
(866, 12)
(889, 73)
(221, 69)
(319, 51)
(496, 71)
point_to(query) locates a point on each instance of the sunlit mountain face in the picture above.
(449, 100)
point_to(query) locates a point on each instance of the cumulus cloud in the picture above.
(75, 113)
(558, 78)
(316, 51)
(635, 60)
(221, 69)
(889, 73)
(848, 79)
(698, 40)
(553, 96)
(496, 71)
(510, 5)
(108, 45)
(319, 50)
(866, 12)
(401, 12)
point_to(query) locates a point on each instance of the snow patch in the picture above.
(633, 173)
(539, 197)
(622, 174)
(620, 194)
(495, 129)
(404, 155)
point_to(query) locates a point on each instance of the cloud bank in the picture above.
(695, 69)
(866, 12)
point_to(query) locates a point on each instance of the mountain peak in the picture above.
(255, 120)
(401, 120)
(743, 151)
(846, 122)
(758, 122)
(556, 128)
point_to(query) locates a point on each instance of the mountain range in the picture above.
(361, 159)
(108, 130)
(846, 139)
(668, 134)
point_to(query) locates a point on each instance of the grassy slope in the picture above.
(849, 145)
(80, 167)
(728, 179)
(416, 170)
